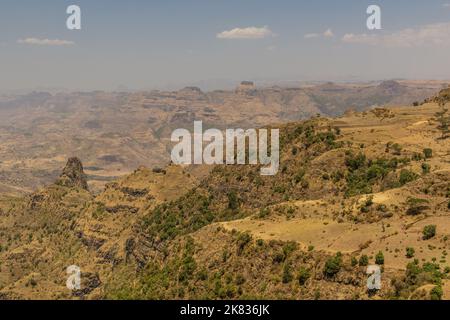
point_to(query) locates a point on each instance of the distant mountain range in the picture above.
(115, 132)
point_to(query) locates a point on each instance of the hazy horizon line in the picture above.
(216, 84)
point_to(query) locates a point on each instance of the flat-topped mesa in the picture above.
(73, 175)
(196, 90)
(246, 87)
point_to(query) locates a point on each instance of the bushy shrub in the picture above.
(240, 280)
(366, 205)
(407, 176)
(397, 149)
(278, 257)
(429, 232)
(263, 212)
(289, 247)
(426, 168)
(299, 175)
(363, 261)
(333, 265)
(417, 156)
(233, 201)
(428, 153)
(436, 293)
(410, 252)
(287, 274)
(379, 258)
(303, 275)
(355, 162)
(243, 240)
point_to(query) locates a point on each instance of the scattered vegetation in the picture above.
(417, 276)
(443, 120)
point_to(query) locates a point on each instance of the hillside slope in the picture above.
(352, 190)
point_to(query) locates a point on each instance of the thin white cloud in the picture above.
(427, 35)
(446, 5)
(246, 33)
(311, 35)
(45, 42)
(327, 34)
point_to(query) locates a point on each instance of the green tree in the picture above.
(429, 232)
(333, 265)
(436, 293)
(410, 252)
(363, 261)
(379, 258)
(426, 168)
(443, 119)
(233, 201)
(303, 275)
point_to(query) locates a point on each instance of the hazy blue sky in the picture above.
(145, 44)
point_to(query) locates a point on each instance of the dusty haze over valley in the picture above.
(116, 132)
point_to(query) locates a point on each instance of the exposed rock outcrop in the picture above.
(73, 175)
(442, 98)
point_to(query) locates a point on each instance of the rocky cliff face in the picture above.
(73, 175)
(441, 98)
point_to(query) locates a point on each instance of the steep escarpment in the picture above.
(365, 188)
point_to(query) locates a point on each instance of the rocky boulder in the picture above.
(73, 175)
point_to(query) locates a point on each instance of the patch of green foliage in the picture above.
(417, 276)
(379, 258)
(429, 232)
(410, 252)
(333, 265)
(363, 174)
(363, 261)
(303, 275)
